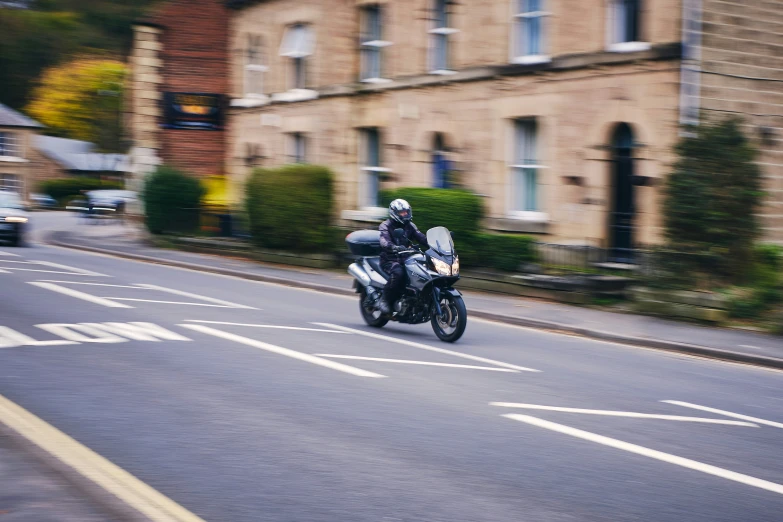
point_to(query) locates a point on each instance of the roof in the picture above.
(79, 155)
(12, 118)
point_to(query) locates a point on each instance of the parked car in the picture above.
(13, 218)
(43, 201)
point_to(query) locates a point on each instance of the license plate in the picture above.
(6, 226)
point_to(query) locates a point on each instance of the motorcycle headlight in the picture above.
(455, 266)
(441, 267)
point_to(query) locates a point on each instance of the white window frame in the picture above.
(527, 163)
(371, 45)
(11, 145)
(12, 183)
(616, 39)
(371, 167)
(520, 16)
(440, 32)
(298, 50)
(254, 68)
(298, 148)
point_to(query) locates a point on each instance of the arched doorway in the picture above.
(440, 162)
(623, 207)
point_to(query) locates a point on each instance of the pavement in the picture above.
(160, 393)
(651, 332)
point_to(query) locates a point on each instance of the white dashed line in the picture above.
(282, 351)
(648, 452)
(726, 413)
(610, 413)
(196, 296)
(428, 348)
(423, 363)
(272, 326)
(79, 295)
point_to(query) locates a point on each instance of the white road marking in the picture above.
(4, 253)
(168, 302)
(750, 346)
(139, 331)
(427, 347)
(282, 351)
(648, 452)
(196, 296)
(79, 295)
(726, 413)
(322, 330)
(11, 339)
(84, 283)
(75, 332)
(107, 475)
(620, 414)
(423, 363)
(4, 271)
(71, 268)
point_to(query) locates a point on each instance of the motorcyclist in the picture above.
(400, 215)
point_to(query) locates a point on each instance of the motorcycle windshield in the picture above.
(440, 241)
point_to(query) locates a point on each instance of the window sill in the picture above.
(250, 101)
(376, 80)
(522, 222)
(366, 215)
(535, 59)
(295, 95)
(443, 72)
(629, 47)
(13, 159)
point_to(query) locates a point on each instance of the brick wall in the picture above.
(195, 58)
(742, 75)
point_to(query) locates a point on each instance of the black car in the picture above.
(13, 218)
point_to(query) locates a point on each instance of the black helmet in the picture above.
(400, 211)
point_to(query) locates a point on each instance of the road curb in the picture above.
(81, 485)
(669, 346)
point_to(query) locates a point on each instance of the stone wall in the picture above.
(742, 75)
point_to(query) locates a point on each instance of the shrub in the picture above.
(712, 198)
(64, 189)
(290, 208)
(172, 201)
(458, 210)
(505, 251)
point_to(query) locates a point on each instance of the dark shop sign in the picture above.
(188, 110)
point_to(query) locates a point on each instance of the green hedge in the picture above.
(172, 201)
(458, 210)
(505, 251)
(291, 208)
(64, 189)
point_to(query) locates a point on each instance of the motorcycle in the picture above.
(429, 294)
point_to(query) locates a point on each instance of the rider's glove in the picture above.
(397, 249)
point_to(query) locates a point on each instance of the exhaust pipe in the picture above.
(359, 274)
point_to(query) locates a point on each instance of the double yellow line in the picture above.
(110, 477)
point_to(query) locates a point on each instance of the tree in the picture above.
(711, 200)
(82, 100)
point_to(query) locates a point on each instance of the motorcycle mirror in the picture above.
(452, 234)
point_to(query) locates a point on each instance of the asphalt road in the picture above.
(245, 401)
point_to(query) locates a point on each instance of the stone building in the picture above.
(19, 158)
(563, 114)
(178, 86)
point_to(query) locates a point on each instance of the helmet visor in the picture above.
(404, 214)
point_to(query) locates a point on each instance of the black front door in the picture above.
(623, 210)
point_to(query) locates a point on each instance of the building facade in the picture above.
(562, 114)
(20, 161)
(178, 89)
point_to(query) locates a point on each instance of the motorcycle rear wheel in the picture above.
(371, 316)
(450, 325)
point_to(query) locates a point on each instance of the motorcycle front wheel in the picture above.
(450, 324)
(371, 315)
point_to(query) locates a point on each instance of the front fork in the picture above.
(436, 296)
